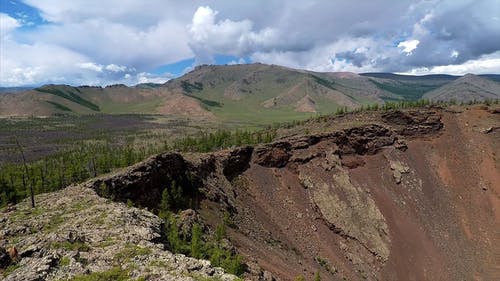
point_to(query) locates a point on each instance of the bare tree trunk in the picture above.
(32, 194)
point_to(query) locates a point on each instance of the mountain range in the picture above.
(251, 92)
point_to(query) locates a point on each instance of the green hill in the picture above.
(250, 93)
(409, 87)
(467, 88)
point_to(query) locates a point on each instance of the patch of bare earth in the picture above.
(179, 104)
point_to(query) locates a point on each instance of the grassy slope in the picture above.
(467, 88)
(408, 87)
(239, 91)
(234, 93)
(88, 100)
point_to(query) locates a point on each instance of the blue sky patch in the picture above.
(28, 16)
(176, 69)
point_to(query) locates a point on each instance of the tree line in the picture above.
(90, 159)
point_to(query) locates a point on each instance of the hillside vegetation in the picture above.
(252, 93)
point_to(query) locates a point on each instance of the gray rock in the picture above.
(74, 232)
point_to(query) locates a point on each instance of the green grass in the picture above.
(73, 96)
(55, 222)
(11, 268)
(191, 87)
(130, 251)
(207, 104)
(114, 274)
(65, 261)
(147, 106)
(248, 108)
(251, 111)
(327, 83)
(60, 106)
(407, 91)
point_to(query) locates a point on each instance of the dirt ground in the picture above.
(441, 215)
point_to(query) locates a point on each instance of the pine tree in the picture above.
(165, 204)
(196, 242)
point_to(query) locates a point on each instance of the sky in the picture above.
(102, 42)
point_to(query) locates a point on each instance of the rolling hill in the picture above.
(252, 93)
(467, 88)
(261, 92)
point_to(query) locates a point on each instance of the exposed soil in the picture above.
(182, 105)
(401, 195)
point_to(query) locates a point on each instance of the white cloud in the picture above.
(325, 58)
(91, 50)
(90, 66)
(484, 65)
(408, 46)
(40, 63)
(110, 42)
(144, 77)
(7, 24)
(239, 61)
(116, 68)
(101, 42)
(208, 37)
(25, 64)
(419, 28)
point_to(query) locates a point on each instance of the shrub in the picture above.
(114, 274)
(317, 276)
(196, 242)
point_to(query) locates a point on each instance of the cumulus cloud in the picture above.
(83, 48)
(145, 77)
(408, 46)
(100, 42)
(209, 37)
(115, 68)
(7, 24)
(484, 64)
(90, 66)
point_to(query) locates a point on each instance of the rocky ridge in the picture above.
(75, 232)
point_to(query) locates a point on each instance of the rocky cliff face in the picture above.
(75, 232)
(399, 195)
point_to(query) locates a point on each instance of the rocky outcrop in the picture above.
(320, 162)
(74, 232)
(236, 162)
(362, 140)
(398, 170)
(5, 259)
(339, 201)
(274, 155)
(414, 122)
(143, 183)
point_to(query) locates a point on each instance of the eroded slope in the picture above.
(398, 195)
